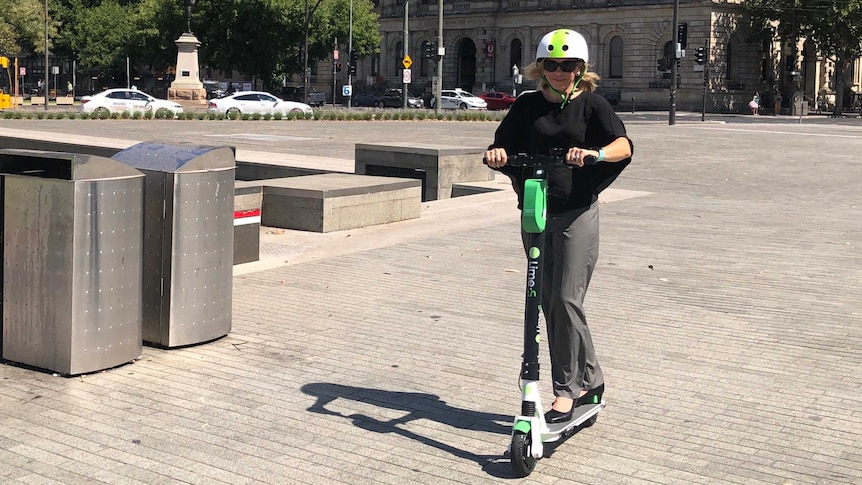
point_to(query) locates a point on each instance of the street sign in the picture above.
(347, 90)
(407, 76)
(407, 62)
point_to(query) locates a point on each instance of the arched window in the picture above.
(616, 58)
(397, 56)
(515, 50)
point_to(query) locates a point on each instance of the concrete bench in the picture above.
(437, 166)
(65, 100)
(337, 201)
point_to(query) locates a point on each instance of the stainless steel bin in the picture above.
(72, 260)
(188, 240)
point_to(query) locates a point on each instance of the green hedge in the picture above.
(326, 115)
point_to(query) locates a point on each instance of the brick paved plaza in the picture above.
(726, 309)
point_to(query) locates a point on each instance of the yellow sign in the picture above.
(407, 62)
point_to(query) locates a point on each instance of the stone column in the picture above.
(187, 85)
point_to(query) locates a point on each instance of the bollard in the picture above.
(633, 104)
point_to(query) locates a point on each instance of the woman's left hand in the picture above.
(575, 156)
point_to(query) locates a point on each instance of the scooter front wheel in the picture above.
(523, 462)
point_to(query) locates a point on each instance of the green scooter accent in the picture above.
(533, 215)
(522, 427)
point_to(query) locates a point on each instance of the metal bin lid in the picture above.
(159, 157)
(62, 165)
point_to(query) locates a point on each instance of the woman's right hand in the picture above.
(496, 157)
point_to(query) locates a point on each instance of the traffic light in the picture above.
(682, 34)
(352, 69)
(789, 63)
(431, 50)
(337, 67)
(700, 55)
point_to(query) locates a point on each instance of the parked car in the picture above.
(295, 93)
(366, 98)
(498, 99)
(29, 89)
(251, 102)
(214, 89)
(392, 98)
(119, 100)
(459, 99)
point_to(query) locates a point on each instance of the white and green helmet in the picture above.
(563, 44)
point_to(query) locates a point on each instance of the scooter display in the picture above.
(530, 430)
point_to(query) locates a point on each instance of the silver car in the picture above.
(130, 100)
(251, 102)
(459, 99)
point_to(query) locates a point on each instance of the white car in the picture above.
(121, 99)
(459, 99)
(251, 102)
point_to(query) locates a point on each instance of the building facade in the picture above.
(485, 40)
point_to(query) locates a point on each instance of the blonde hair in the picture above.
(534, 72)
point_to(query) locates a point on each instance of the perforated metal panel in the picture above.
(201, 283)
(71, 267)
(188, 241)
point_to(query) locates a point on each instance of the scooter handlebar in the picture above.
(523, 160)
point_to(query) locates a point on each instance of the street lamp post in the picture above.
(45, 74)
(437, 88)
(305, 59)
(405, 53)
(675, 65)
(350, 57)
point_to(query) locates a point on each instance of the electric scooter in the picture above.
(530, 430)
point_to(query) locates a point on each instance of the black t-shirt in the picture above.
(535, 125)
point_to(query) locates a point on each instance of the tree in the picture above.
(834, 27)
(23, 28)
(260, 38)
(265, 38)
(366, 25)
(98, 35)
(160, 23)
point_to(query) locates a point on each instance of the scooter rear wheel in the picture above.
(522, 462)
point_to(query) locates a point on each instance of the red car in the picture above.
(497, 99)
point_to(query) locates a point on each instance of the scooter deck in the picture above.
(580, 415)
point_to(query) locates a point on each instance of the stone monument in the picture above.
(187, 85)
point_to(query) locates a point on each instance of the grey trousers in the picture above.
(571, 249)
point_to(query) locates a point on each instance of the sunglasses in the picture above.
(565, 66)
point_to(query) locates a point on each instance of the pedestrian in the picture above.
(39, 86)
(778, 100)
(566, 113)
(69, 88)
(754, 104)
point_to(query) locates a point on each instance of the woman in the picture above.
(754, 104)
(565, 113)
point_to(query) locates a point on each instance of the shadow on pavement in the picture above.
(417, 406)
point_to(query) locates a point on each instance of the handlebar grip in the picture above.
(588, 160)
